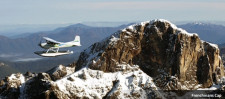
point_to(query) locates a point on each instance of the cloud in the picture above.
(9, 55)
(26, 59)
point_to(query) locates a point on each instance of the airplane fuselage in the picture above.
(54, 46)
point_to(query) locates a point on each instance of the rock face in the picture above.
(96, 84)
(60, 71)
(136, 62)
(86, 83)
(174, 58)
(10, 86)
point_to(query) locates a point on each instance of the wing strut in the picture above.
(52, 49)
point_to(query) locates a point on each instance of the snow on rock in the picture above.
(97, 84)
(60, 71)
(113, 40)
(214, 45)
(178, 30)
(10, 88)
(16, 80)
(213, 87)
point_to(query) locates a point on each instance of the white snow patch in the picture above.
(126, 37)
(22, 79)
(96, 83)
(132, 27)
(129, 33)
(87, 86)
(58, 68)
(144, 23)
(179, 30)
(15, 78)
(94, 62)
(22, 87)
(222, 80)
(213, 87)
(113, 40)
(214, 45)
(70, 70)
(163, 20)
(17, 81)
(12, 77)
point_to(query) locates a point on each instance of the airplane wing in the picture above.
(51, 40)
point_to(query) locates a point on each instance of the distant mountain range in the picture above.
(25, 46)
(208, 32)
(16, 29)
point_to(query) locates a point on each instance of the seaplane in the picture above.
(52, 47)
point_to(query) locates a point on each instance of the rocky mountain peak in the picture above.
(162, 50)
(139, 61)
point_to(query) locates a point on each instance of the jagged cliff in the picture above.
(135, 62)
(174, 58)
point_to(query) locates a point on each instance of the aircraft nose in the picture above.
(42, 45)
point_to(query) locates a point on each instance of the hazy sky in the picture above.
(74, 11)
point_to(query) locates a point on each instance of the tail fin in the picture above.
(77, 41)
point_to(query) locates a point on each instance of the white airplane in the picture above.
(53, 46)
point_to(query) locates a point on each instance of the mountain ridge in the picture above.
(27, 45)
(207, 31)
(136, 62)
(129, 46)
